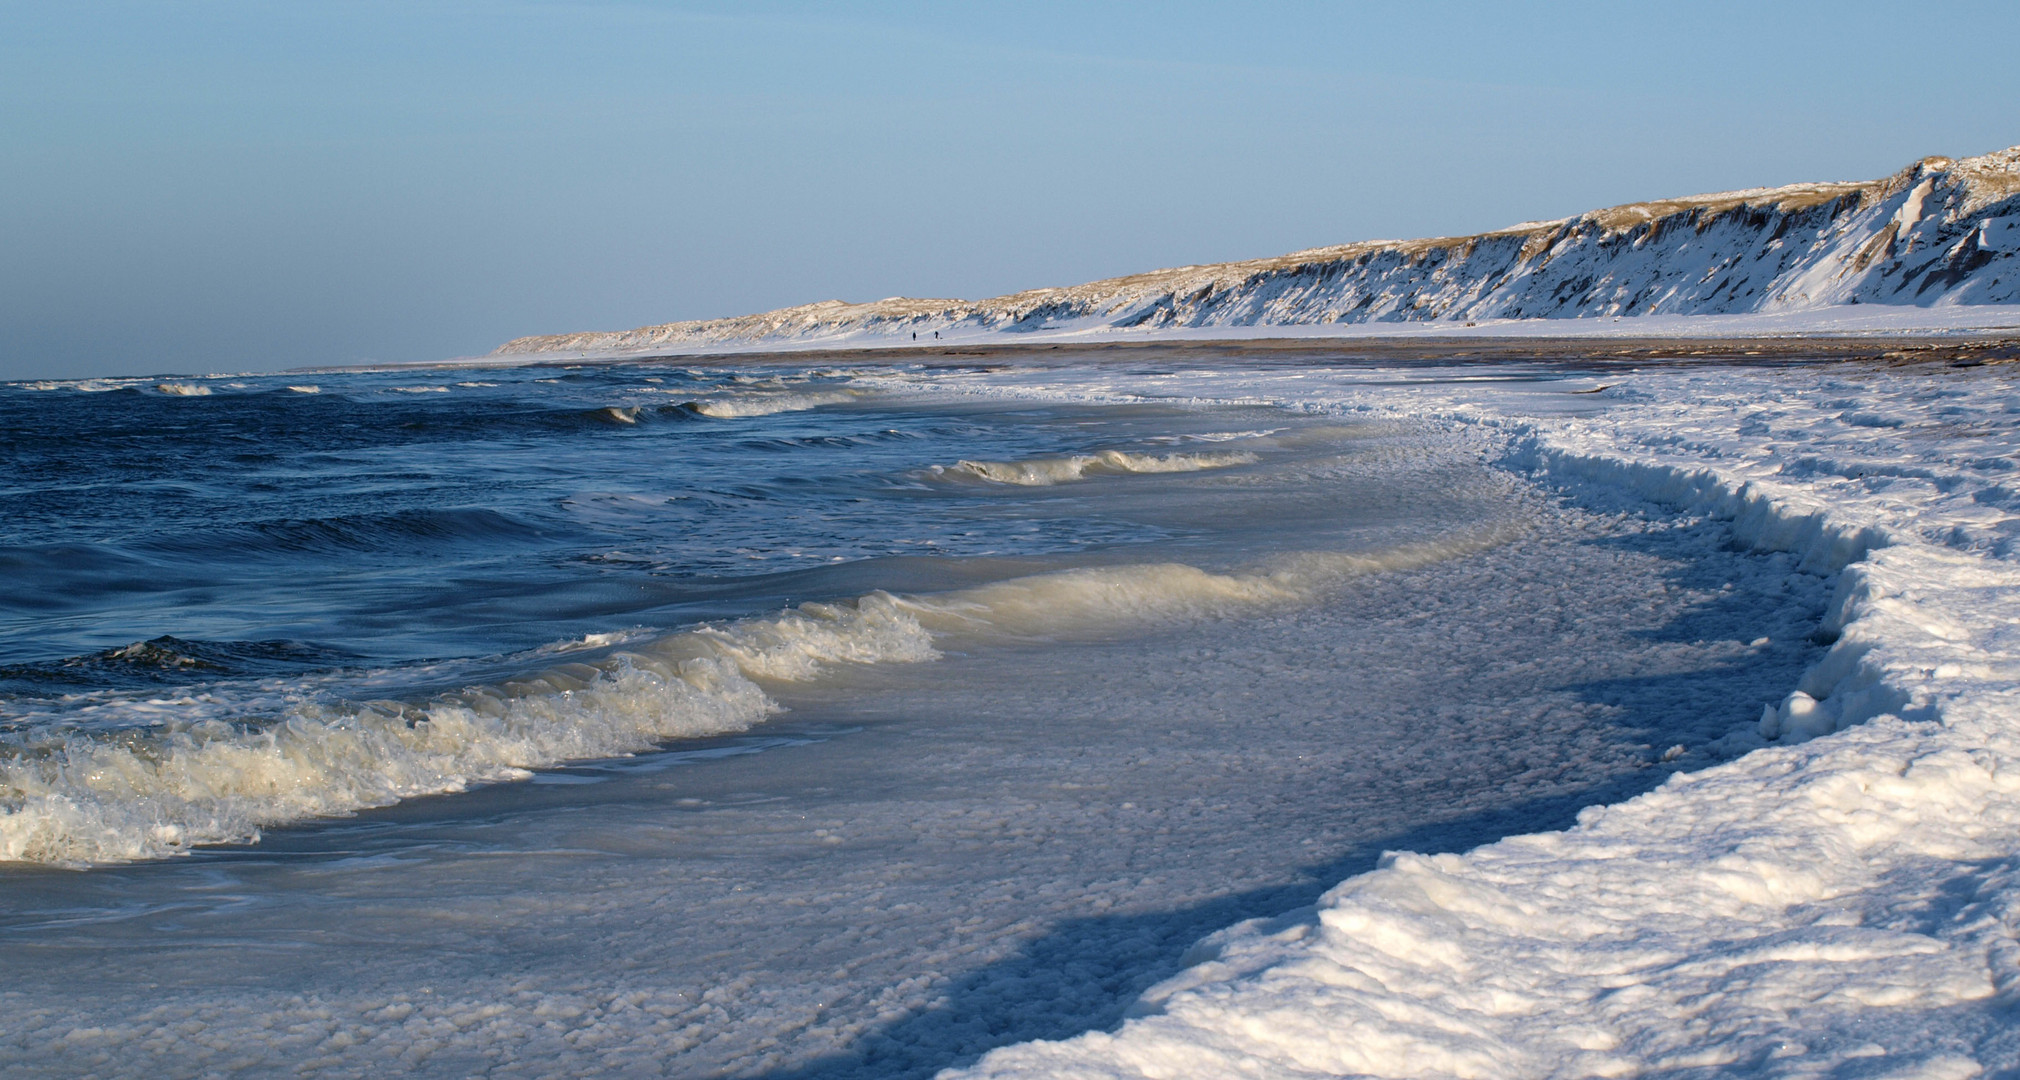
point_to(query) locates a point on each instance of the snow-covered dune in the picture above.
(1940, 232)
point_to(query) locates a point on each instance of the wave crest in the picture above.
(79, 799)
(1044, 472)
(737, 406)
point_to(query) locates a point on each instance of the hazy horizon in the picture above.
(255, 186)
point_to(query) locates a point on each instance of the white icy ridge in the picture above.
(1940, 232)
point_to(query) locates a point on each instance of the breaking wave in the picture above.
(182, 389)
(738, 405)
(400, 530)
(74, 797)
(1041, 472)
(168, 659)
(89, 386)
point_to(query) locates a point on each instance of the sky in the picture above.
(235, 185)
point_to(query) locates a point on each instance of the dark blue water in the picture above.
(400, 515)
(234, 602)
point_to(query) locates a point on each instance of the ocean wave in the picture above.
(767, 403)
(169, 659)
(88, 386)
(74, 797)
(1066, 604)
(1215, 436)
(629, 415)
(1041, 472)
(350, 532)
(182, 389)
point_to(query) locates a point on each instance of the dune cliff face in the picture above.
(1940, 231)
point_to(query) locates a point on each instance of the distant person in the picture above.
(936, 335)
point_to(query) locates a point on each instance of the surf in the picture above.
(1045, 472)
(77, 798)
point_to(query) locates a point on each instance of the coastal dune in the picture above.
(1940, 232)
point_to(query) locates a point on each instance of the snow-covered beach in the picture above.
(1823, 886)
(1840, 900)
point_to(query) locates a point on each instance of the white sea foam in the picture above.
(82, 798)
(87, 386)
(1043, 472)
(183, 389)
(306, 389)
(734, 406)
(92, 799)
(1214, 436)
(1069, 603)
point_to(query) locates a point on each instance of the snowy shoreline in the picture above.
(1848, 890)
(1843, 898)
(1852, 325)
(1966, 333)
(1835, 888)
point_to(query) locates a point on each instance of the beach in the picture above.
(1200, 636)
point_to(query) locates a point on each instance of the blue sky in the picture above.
(222, 186)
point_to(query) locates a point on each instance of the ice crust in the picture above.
(1844, 900)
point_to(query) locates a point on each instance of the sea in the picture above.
(780, 717)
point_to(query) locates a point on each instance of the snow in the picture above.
(1843, 900)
